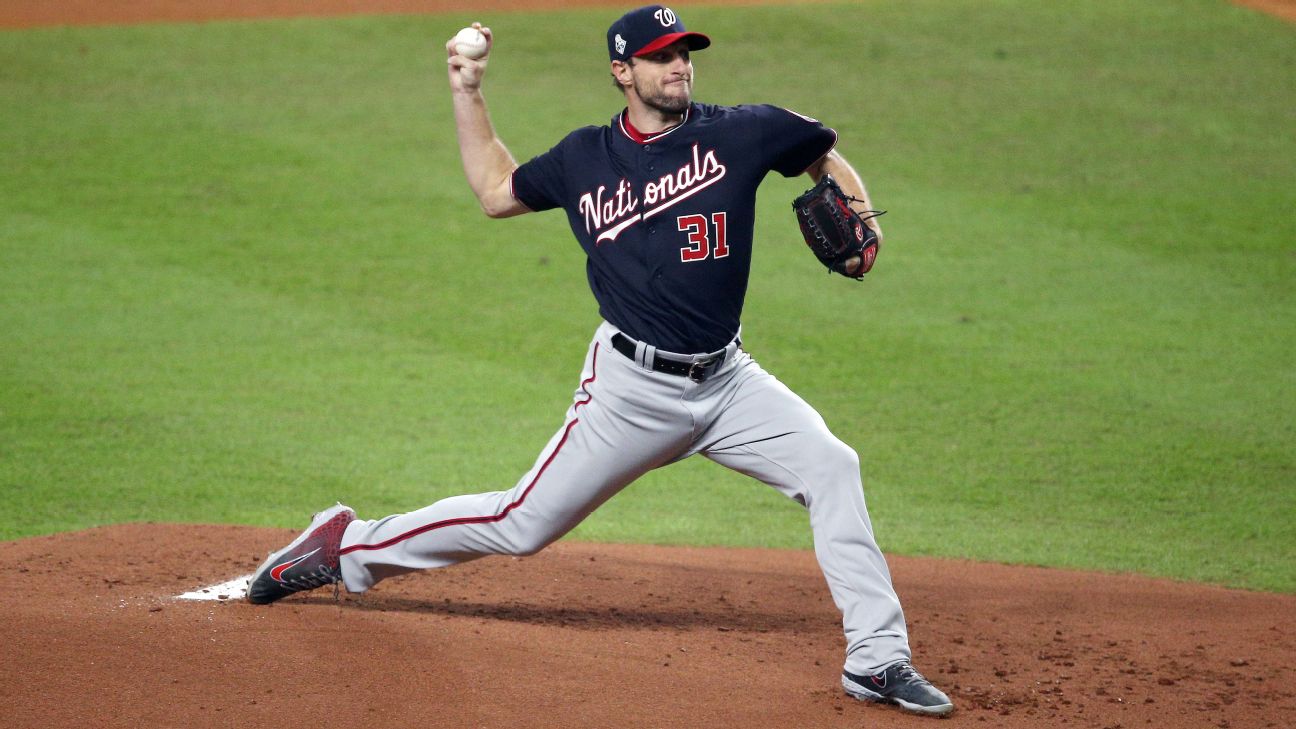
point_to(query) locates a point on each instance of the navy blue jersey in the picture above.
(666, 220)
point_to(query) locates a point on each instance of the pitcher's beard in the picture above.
(663, 103)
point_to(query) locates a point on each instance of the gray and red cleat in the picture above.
(899, 684)
(311, 561)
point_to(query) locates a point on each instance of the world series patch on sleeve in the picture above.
(834, 232)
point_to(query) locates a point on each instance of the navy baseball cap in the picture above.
(652, 27)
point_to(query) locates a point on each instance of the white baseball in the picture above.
(470, 43)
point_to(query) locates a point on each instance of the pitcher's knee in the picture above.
(833, 460)
(526, 542)
(526, 534)
(530, 545)
(829, 475)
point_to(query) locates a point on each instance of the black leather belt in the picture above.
(697, 371)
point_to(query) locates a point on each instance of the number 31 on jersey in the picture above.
(700, 239)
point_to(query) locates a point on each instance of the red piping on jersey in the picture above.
(513, 194)
(505, 511)
(639, 137)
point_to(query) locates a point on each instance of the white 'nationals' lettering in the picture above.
(599, 212)
(607, 215)
(690, 178)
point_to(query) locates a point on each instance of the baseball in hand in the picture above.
(470, 43)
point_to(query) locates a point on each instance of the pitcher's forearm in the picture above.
(487, 163)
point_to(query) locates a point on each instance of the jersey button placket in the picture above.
(650, 166)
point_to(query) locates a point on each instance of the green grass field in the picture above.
(241, 277)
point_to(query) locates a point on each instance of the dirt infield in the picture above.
(1285, 9)
(30, 13)
(586, 635)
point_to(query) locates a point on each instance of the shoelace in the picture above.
(907, 671)
(311, 580)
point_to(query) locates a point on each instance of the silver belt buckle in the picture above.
(697, 371)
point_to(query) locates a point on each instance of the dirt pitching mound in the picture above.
(590, 635)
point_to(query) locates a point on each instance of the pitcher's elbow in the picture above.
(502, 207)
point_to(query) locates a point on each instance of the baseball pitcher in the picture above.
(662, 201)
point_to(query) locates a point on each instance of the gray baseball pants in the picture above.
(626, 420)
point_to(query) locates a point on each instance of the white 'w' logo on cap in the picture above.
(665, 16)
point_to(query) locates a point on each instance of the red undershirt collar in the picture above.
(639, 137)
